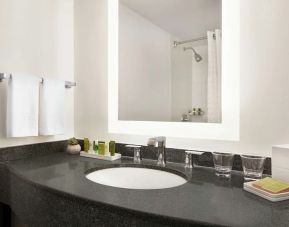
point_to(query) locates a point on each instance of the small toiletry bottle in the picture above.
(95, 147)
(101, 148)
(86, 144)
(112, 148)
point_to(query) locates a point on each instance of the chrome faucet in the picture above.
(160, 143)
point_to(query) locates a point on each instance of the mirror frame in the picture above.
(229, 129)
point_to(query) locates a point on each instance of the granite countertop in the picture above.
(205, 199)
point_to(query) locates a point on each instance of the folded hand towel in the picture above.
(22, 106)
(51, 112)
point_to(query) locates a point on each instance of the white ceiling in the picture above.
(184, 19)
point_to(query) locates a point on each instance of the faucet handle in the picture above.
(136, 151)
(189, 161)
(195, 152)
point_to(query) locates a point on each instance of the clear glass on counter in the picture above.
(223, 163)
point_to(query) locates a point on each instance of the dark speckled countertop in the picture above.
(205, 199)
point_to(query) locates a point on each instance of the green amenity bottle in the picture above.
(112, 148)
(101, 148)
(86, 144)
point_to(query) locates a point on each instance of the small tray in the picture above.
(102, 157)
(266, 195)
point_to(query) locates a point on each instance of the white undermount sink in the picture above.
(136, 178)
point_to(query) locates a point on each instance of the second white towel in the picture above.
(51, 107)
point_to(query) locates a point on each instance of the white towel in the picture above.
(22, 106)
(51, 111)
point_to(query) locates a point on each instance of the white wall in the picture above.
(189, 81)
(36, 37)
(91, 68)
(181, 82)
(144, 69)
(198, 16)
(264, 78)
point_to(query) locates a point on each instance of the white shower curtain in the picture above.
(214, 76)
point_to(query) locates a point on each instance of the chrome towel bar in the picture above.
(4, 76)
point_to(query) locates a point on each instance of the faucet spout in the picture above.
(160, 143)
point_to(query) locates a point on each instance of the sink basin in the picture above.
(136, 178)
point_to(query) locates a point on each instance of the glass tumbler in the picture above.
(223, 163)
(253, 166)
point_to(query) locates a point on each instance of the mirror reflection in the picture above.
(170, 60)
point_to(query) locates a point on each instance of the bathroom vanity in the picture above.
(145, 69)
(52, 190)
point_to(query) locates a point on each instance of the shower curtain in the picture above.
(214, 76)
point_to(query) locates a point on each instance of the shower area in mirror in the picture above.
(170, 60)
(198, 62)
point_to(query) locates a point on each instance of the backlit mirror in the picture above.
(171, 63)
(170, 58)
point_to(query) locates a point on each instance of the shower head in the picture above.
(197, 57)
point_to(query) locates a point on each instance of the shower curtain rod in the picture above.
(176, 43)
(4, 76)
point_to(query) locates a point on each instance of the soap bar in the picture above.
(271, 185)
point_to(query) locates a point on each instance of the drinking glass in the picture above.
(253, 166)
(223, 163)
